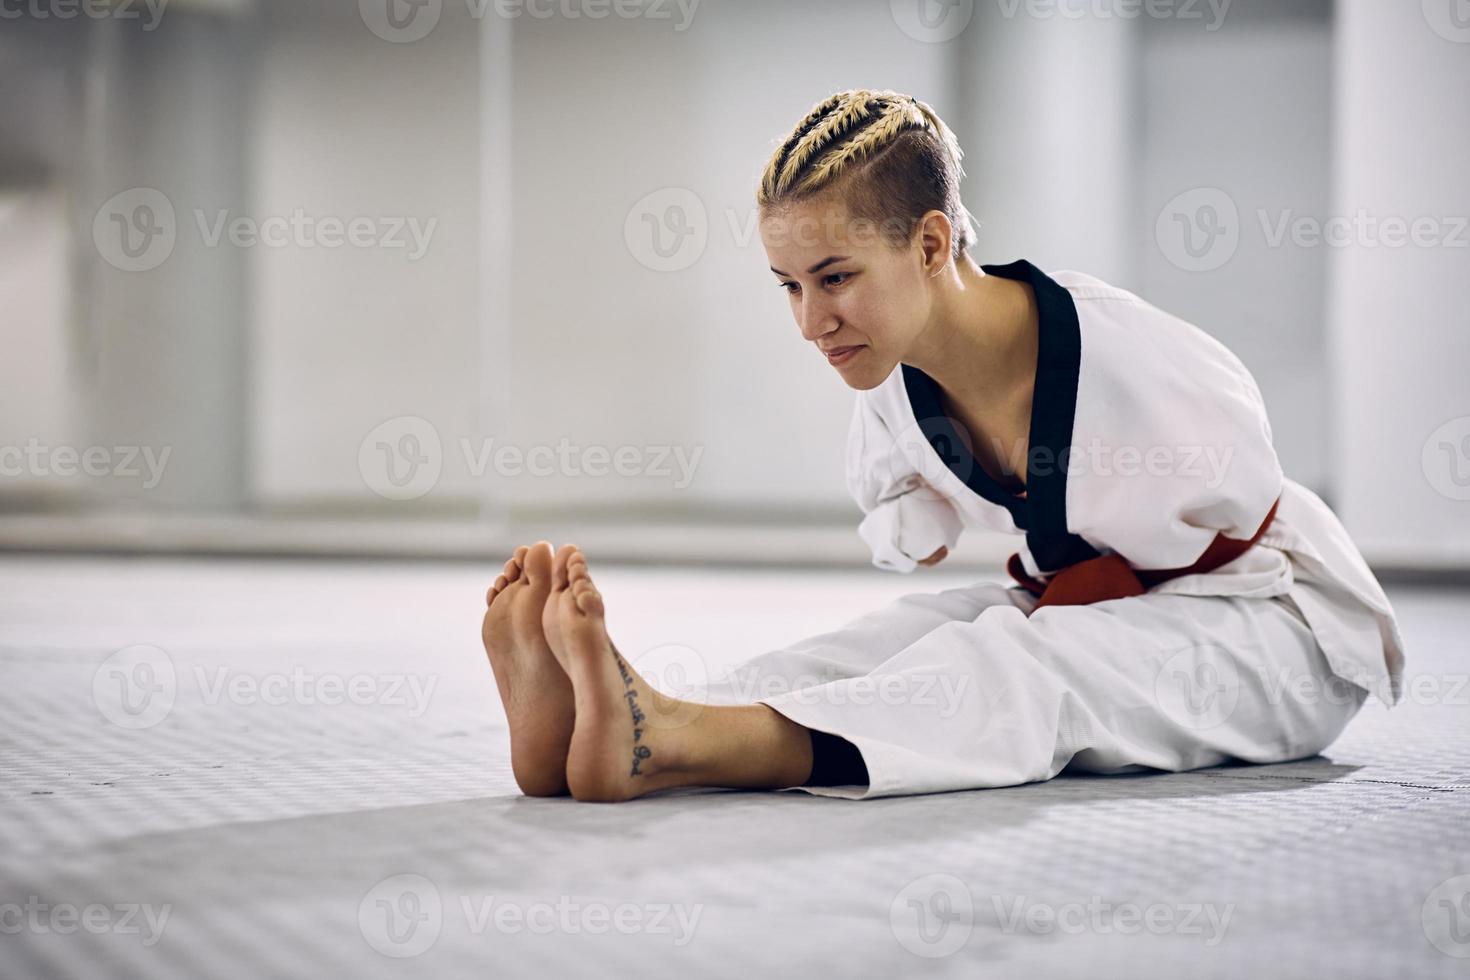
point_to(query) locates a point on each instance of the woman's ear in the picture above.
(935, 236)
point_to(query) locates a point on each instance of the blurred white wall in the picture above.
(594, 278)
(1245, 110)
(43, 365)
(38, 389)
(348, 125)
(1048, 114)
(166, 114)
(1400, 335)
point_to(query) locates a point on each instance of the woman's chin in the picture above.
(864, 377)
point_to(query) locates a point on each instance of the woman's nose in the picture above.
(816, 319)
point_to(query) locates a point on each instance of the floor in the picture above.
(251, 768)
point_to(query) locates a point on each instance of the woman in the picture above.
(1180, 603)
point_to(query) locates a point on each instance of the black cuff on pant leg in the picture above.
(835, 762)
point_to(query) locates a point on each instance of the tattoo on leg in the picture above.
(640, 752)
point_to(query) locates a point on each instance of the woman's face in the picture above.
(852, 292)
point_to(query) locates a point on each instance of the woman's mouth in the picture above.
(841, 355)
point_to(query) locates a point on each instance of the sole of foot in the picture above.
(536, 692)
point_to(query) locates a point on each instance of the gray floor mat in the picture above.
(287, 826)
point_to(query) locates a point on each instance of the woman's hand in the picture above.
(935, 558)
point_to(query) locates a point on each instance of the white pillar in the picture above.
(1047, 120)
(1399, 317)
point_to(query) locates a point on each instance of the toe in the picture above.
(559, 566)
(588, 599)
(538, 563)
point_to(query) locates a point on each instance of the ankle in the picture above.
(745, 746)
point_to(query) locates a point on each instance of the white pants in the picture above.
(961, 690)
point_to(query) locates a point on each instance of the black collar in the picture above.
(1042, 513)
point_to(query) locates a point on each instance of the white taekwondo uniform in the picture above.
(1149, 444)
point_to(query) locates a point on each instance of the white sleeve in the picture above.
(906, 519)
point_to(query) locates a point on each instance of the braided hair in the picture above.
(888, 156)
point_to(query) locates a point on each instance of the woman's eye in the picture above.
(842, 276)
(790, 287)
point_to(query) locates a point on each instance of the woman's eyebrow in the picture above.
(816, 268)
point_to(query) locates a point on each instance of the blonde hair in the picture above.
(888, 156)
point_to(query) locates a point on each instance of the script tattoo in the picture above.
(640, 752)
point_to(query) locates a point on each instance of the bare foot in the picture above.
(534, 688)
(627, 740)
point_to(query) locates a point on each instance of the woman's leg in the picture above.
(857, 647)
(538, 696)
(1159, 681)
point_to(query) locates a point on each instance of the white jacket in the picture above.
(1148, 438)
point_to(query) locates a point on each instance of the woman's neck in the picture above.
(981, 341)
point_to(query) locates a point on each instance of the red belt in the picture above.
(1110, 577)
